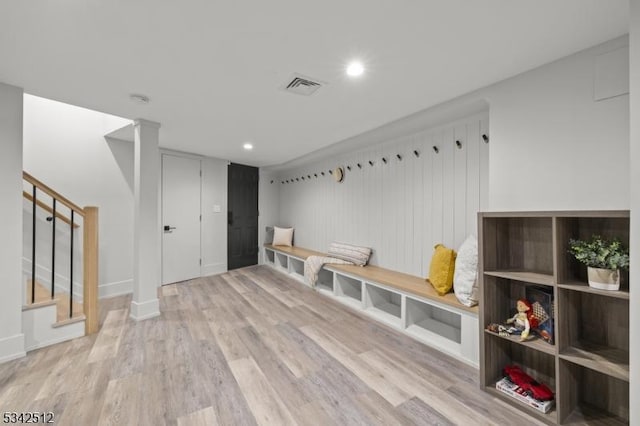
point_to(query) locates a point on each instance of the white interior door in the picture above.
(180, 218)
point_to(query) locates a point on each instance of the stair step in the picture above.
(43, 298)
(68, 321)
(39, 304)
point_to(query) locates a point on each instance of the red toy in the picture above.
(535, 389)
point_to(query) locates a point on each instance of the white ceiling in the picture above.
(213, 68)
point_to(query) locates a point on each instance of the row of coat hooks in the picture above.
(385, 160)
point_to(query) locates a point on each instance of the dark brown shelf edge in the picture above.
(584, 288)
(526, 277)
(551, 417)
(598, 366)
(537, 344)
(561, 214)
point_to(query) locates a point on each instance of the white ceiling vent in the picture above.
(302, 85)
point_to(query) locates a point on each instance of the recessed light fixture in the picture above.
(355, 69)
(247, 146)
(139, 99)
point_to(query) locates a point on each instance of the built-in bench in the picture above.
(405, 302)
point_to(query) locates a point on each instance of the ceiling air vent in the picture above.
(301, 85)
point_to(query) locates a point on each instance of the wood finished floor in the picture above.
(247, 347)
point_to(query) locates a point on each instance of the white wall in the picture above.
(634, 301)
(64, 147)
(268, 204)
(402, 208)
(214, 224)
(554, 147)
(11, 117)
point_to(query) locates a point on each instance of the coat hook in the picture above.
(416, 153)
(302, 177)
(308, 176)
(297, 179)
(349, 168)
(384, 160)
(282, 182)
(322, 173)
(435, 149)
(330, 172)
(371, 163)
(459, 144)
(485, 138)
(399, 157)
(315, 175)
(271, 181)
(359, 165)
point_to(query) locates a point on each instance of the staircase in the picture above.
(61, 244)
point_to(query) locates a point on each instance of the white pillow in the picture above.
(465, 277)
(282, 236)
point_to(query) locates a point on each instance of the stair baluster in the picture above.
(53, 250)
(33, 247)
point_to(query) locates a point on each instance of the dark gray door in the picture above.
(242, 216)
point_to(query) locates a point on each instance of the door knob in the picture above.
(168, 228)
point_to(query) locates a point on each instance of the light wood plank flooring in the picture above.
(247, 347)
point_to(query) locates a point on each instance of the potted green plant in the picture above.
(604, 259)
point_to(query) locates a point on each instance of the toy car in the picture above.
(531, 387)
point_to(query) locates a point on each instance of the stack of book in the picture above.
(516, 392)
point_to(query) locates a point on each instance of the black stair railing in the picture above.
(53, 219)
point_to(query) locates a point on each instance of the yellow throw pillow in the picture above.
(442, 267)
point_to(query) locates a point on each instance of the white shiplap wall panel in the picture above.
(484, 165)
(448, 181)
(460, 184)
(473, 174)
(437, 198)
(402, 208)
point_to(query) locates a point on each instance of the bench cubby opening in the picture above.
(383, 304)
(282, 261)
(427, 320)
(325, 281)
(269, 257)
(349, 290)
(296, 267)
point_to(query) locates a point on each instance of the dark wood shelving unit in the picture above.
(588, 366)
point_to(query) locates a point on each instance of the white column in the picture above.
(146, 239)
(634, 155)
(11, 337)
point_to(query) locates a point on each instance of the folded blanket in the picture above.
(313, 264)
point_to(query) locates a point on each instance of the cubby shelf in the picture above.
(589, 363)
(551, 417)
(537, 344)
(524, 276)
(584, 287)
(610, 361)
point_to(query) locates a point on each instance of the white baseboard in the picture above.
(214, 269)
(12, 348)
(113, 289)
(145, 310)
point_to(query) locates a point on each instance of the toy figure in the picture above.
(524, 320)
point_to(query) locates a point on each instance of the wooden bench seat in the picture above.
(405, 282)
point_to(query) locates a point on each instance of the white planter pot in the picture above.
(604, 279)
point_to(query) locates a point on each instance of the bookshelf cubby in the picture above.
(587, 366)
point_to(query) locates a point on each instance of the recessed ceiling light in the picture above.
(139, 99)
(247, 146)
(355, 69)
